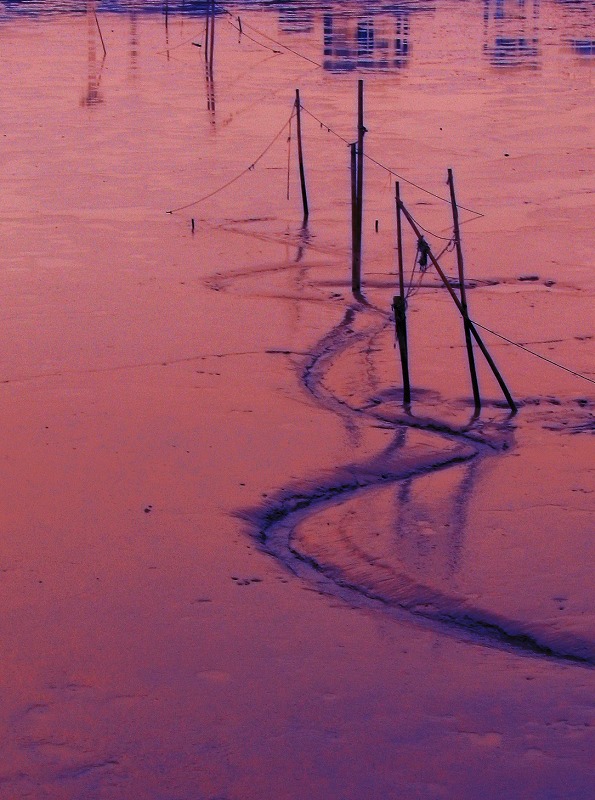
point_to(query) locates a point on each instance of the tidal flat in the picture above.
(233, 564)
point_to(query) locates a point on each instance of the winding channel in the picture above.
(277, 524)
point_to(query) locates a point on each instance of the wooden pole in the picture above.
(399, 241)
(459, 249)
(355, 271)
(457, 302)
(400, 307)
(361, 130)
(298, 108)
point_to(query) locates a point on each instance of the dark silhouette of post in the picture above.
(459, 249)
(355, 272)
(361, 130)
(457, 302)
(400, 306)
(298, 109)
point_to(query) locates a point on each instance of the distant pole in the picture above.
(298, 108)
(207, 32)
(100, 34)
(361, 130)
(459, 249)
(355, 263)
(400, 307)
(457, 303)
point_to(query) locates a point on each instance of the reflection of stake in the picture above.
(457, 302)
(298, 108)
(468, 342)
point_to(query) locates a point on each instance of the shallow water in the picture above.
(182, 404)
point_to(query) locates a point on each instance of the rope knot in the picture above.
(423, 249)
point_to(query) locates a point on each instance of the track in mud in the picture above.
(345, 565)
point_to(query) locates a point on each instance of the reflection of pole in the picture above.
(298, 108)
(468, 342)
(457, 302)
(400, 307)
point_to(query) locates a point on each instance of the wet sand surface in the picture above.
(231, 565)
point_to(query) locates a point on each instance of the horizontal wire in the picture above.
(533, 353)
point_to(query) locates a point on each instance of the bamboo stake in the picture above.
(361, 130)
(400, 307)
(355, 273)
(457, 302)
(301, 154)
(459, 249)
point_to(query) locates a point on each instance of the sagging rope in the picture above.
(391, 172)
(250, 168)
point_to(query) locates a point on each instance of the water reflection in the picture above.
(366, 41)
(511, 33)
(378, 36)
(93, 96)
(431, 518)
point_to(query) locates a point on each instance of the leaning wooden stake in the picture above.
(459, 249)
(400, 307)
(457, 302)
(298, 109)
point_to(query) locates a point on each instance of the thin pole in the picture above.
(459, 249)
(298, 108)
(457, 302)
(399, 242)
(400, 307)
(355, 272)
(361, 130)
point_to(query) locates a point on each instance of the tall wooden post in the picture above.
(355, 261)
(459, 249)
(298, 108)
(361, 130)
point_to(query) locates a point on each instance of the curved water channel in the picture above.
(352, 531)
